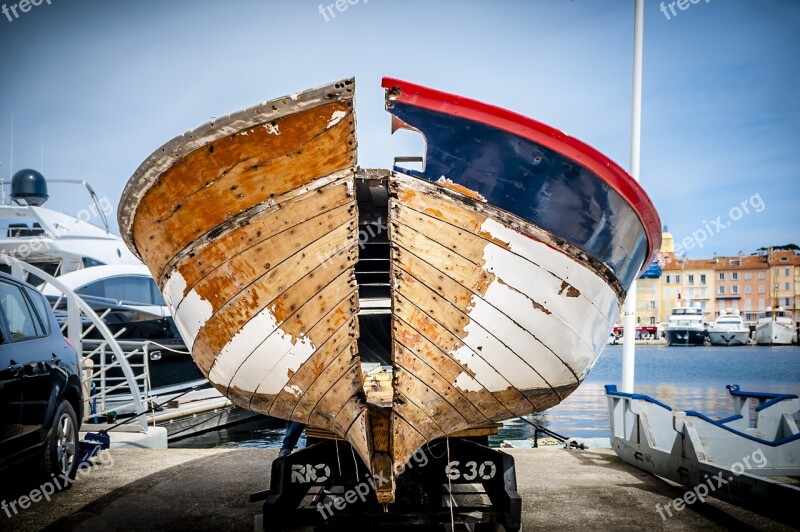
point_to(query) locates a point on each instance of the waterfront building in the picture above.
(689, 280)
(742, 282)
(784, 268)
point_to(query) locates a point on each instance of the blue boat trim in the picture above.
(730, 418)
(533, 182)
(771, 398)
(722, 425)
(611, 389)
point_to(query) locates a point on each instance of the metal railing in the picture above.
(123, 382)
(109, 387)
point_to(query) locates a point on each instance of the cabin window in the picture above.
(128, 289)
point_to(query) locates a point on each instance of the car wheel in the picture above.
(61, 449)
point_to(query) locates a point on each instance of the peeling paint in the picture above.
(571, 290)
(447, 183)
(272, 129)
(468, 384)
(336, 117)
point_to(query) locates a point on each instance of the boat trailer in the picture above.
(458, 481)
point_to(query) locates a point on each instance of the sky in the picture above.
(95, 86)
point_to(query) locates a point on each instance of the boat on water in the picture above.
(488, 282)
(729, 329)
(685, 326)
(774, 326)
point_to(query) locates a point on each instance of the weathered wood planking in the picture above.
(250, 226)
(488, 323)
(245, 169)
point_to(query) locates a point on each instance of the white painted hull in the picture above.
(729, 337)
(774, 333)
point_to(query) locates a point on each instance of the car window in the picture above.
(20, 321)
(128, 288)
(40, 307)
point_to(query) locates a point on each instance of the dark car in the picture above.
(41, 403)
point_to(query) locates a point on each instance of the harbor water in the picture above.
(686, 378)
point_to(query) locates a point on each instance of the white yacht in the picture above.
(729, 329)
(54, 241)
(685, 326)
(775, 326)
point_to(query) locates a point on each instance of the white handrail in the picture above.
(75, 307)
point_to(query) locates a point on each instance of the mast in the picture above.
(629, 330)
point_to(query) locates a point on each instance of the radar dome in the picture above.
(29, 186)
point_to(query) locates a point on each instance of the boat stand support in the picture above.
(326, 486)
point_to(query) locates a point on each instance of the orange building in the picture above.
(784, 276)
(742, 282)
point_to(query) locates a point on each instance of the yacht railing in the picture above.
(121, 378)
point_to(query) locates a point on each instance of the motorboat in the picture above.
(685, 326)
(774, 326)
(729, 329)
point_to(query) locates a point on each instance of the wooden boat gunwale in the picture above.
(171, 152)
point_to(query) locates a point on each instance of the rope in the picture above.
(355, 462)
(450, 491)
(338, 461)
(540, 428)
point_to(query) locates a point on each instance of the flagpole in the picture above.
(629, 331)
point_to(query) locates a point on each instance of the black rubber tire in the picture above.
(53, 460)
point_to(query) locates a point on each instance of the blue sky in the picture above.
(105, 82)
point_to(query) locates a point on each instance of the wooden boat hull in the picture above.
(497, 306)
